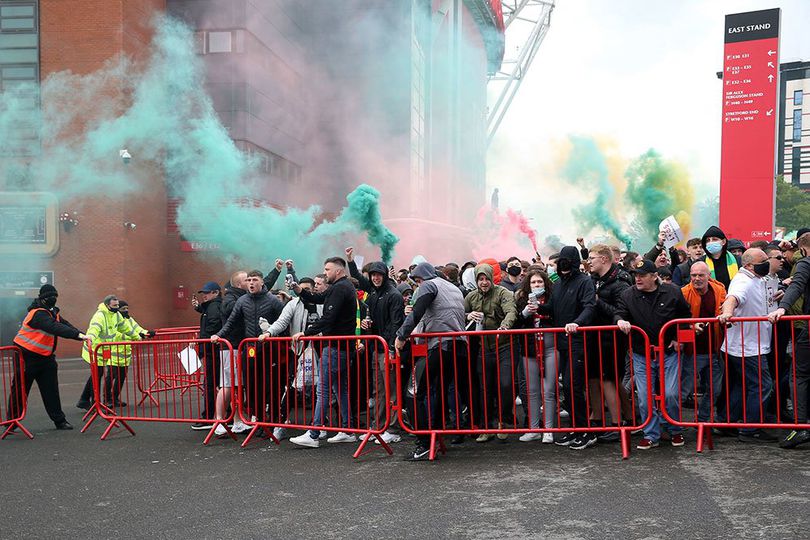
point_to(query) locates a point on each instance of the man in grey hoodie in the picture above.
(439, 307)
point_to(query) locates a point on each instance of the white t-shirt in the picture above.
(751, 294)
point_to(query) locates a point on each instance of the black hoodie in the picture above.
(573, 298)
(385, 304)
(721, 273)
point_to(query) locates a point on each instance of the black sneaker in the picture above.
(583, 441)
(608, 436)
(84, 404)
(795, 438)
(757, 436)
(64, 425)
(566, 440)
(421, 453)
(724, 432)
(201, 426)
(457, 439)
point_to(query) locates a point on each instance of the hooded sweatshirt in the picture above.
(497, 305)
(439, 306)
(726, 265)
(385, 304)
(573, 298)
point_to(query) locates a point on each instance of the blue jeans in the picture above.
(334, 376)
(713, 386)
(748, 374)
(652, 431)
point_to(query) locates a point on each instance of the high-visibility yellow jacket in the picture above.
(107, 327)
(124, 356)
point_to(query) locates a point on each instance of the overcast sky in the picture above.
(641, 73)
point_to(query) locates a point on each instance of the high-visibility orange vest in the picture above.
(34, 340)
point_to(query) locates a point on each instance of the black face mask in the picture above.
(125, 314)
(514, 271)
(113, 309)
(48, 302)
(762, 269)
(564, 265)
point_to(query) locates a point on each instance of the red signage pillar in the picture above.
(750, 110)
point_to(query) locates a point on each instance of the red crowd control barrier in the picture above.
(130, 384)
(13, 392)
(535, 381)
(744, 375)
(324, 384)
(169, 374)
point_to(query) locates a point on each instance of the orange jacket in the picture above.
(693, 299)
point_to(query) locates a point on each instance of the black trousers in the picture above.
(87, 393)
(433, 377)
(572, 365)
(43, 371)
(114, 382)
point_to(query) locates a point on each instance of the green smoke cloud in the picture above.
(168, 119)
(586, 167)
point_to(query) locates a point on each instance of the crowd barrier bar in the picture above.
(115, 395)
(12, 392)
(686, 336)
(267, 397)
(608, 354)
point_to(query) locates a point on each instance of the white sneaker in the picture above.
(389, 438)
(529, 437)
(342, 437)
(280, 433)
(548, 438)
(220, 430)
(323, 434)
(239, 426)
(306, 440)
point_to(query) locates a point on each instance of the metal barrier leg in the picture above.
(264, 434)
(701, 432)
(12, 429)
(624, 436)
(93, 415)
(112, 425)
(214, 428)
(365, 440)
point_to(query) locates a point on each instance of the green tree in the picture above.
(792, 206)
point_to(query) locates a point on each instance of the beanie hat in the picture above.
(47, 290)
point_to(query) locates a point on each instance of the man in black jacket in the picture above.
(37, 338)
(573, 302)
(258, 302)
(386, 311)
(210, 311)
(340, 312)
(799, 288)
(650, 305)
(605, 358)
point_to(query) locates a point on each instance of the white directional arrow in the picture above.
(726, 119)
(769, 112)
(770, 78)
(770, 65)
(771, 53)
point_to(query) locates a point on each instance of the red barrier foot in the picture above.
(113, 424)
(433, 438)
(91, 420)
(213, 429)
(700, 435)
(12, 430)
(366, 439)
(262, 434)
(625, 440)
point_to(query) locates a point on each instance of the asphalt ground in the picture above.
(163, 483)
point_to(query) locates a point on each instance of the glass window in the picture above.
(796, 165)
(19, 73)
(219, 42)
(797, 125)
(18, 40)
(18, 56)
(17, 11)
(17, 24)
(798, 97)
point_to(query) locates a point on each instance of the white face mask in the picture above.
(539, 291)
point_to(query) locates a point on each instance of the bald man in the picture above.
(747, 345)
(705, 297)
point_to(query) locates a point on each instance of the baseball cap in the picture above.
(210, 286)
(646, 266)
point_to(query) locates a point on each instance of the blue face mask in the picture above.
(714, 247)
(539, 291)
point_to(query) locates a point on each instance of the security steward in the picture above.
(38, 338)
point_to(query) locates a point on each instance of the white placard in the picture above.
(189, 359)
(671, 230)
(359, 260)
